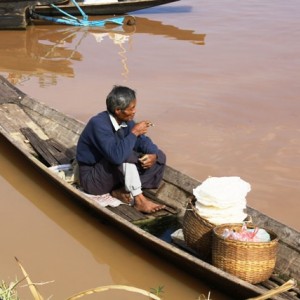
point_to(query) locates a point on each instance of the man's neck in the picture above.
(115, 123)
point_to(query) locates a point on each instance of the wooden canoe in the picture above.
(104, 7)
(52, 141)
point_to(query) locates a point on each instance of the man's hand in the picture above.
(148, 160)
(141, 128)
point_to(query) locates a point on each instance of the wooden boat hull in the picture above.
(108, 8)
(14, 13)
(17, 109)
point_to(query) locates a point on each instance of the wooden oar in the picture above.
(278, 290)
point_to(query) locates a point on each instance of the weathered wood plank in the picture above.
(12, 118)
(170, 194)
(70, 153)
(14, 14)
(52, 152)
(127, 212)
(8, 93)
(58, 151)
(132, 215)
(40, 146)
(55, 124)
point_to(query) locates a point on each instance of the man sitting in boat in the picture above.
(115, 156)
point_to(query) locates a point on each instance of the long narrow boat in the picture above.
(47, 138)
(17, 14)
(100, 7)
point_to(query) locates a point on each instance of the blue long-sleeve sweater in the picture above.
(100, 140)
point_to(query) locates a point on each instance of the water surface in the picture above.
(220, 80)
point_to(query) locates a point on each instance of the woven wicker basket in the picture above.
(197, 232)
(253, 262)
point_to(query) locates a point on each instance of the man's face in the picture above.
(127, 114)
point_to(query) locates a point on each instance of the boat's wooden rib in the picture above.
(18, 111)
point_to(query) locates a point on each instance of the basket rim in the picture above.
(274, 239)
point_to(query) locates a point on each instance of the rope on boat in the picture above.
(68, 19)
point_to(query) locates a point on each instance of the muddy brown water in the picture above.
(220, 81)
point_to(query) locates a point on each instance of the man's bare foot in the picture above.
(142, 204)
(122, 195)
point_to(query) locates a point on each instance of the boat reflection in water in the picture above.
(118, 38)
(47, 52)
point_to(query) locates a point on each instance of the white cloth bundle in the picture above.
(222, 199)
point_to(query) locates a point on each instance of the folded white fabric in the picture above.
(105, 200)
(222, 199)
(206, 211)
(222, 191)
(219, 220)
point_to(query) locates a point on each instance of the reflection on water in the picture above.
(118, 39)
(43, 54)
(49, 51)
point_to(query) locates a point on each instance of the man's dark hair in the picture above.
(119, 97)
